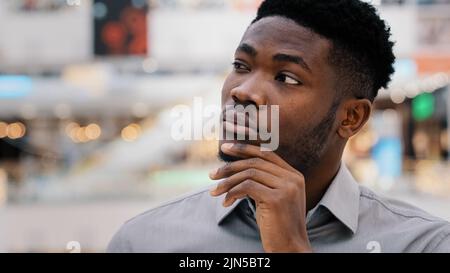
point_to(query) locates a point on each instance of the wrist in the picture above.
(292, 248)
(301, 248)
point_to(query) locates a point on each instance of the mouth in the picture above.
(239, 130)
(239, 125)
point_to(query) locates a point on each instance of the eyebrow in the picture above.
(246, 48)
(280, 57)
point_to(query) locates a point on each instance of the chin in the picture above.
(235, 141)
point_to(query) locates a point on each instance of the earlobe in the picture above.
(354, 116)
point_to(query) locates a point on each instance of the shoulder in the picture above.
(394, 207)
(178, 207)
(400, 218)
(182, 212)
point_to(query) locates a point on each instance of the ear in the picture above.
(353, 115)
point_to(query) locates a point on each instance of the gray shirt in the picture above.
(349, 218)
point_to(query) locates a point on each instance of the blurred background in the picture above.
(86, 88)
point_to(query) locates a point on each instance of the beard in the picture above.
(308, 146)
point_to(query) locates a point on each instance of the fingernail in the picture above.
(227, 146)
(228, 202)
(213, 190)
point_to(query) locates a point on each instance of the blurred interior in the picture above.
(86, 88)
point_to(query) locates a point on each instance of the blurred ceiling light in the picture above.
(131, 132)
(62, 111)
(428, 84)
(99, 10)
(397, 96)
(412, 90)
(83, 134)
(441, 80)
(140, 110)
(434, 82)
(80, 134)
(93, 131)
(3, 129)
(74, 138)
(71, 127)
(16, 130)
(150, 65)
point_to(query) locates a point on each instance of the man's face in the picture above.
(281, 63)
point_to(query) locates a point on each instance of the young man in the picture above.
(322, 62)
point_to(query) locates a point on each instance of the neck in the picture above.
(319, 178)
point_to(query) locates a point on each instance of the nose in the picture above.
(251, 91)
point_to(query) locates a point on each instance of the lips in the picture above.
(240, 124)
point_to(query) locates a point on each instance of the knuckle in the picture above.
(247, 184)
(253, 161)
(291, 190)
(226, 168)
(251, 172)
(301, 181)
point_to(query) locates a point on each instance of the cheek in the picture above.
(300, 113)
(228, 85)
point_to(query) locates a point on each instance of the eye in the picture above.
(240, 67)
(287, 79)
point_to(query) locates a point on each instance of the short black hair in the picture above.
(361, 48)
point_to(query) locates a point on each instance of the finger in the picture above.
(256, 175)
(253, 189)
(248, 151)
(231, 168)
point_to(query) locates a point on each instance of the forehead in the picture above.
(277, 33)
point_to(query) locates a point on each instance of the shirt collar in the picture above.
(221, 211)
(341, 199)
